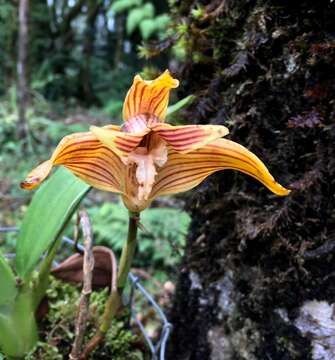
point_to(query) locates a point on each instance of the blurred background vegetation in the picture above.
(67, 64)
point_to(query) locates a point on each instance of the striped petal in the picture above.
(149, 97)
(184, 139)
(86, 157)
(182, 172)
(122, 143)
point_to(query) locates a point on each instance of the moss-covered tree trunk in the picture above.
(257, 280)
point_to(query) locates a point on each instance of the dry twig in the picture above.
(84, 302)
(99, 336)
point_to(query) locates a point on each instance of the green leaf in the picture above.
(162, 21)
(51, 208)
(147, 27)
(7, 281)
(18, 326)
(124, 5)
(173, 109)
(136, 16)
(148, 10)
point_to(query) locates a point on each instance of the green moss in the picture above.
(57, 327)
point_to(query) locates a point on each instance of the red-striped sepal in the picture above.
(149, 97)
(186, 138)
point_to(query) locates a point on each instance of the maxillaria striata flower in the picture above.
(146, 157)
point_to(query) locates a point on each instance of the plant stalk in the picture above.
(128, 251)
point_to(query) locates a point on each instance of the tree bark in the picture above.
(22, 88)
(120, 21)
(257, 278)
(8, 44)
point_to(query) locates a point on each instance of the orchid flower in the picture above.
(145, 157)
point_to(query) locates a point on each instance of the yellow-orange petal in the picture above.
(149, 97)
(182, 172)
(86, 157)
(186, 138)
(122, 143)
(37, 175)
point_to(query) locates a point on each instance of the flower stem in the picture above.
(114, 301)
(128, 251)
(127, 255)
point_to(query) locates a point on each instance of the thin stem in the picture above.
(128, 251)
(114, 302)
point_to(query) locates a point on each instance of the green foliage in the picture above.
(111, 88)
(57, 130)
(113, 108)
(72, 56)
(44, 350)
(162, 21)
(123, 5)
(180, 49)
(49, 212)
(137, 15)
(142, 17)
(147, 27)
(198, 12)
(121, 343)
(181, 104)
(6, 9)
(70, 53)
(35, 117)
(160, 246)
(150, 26)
